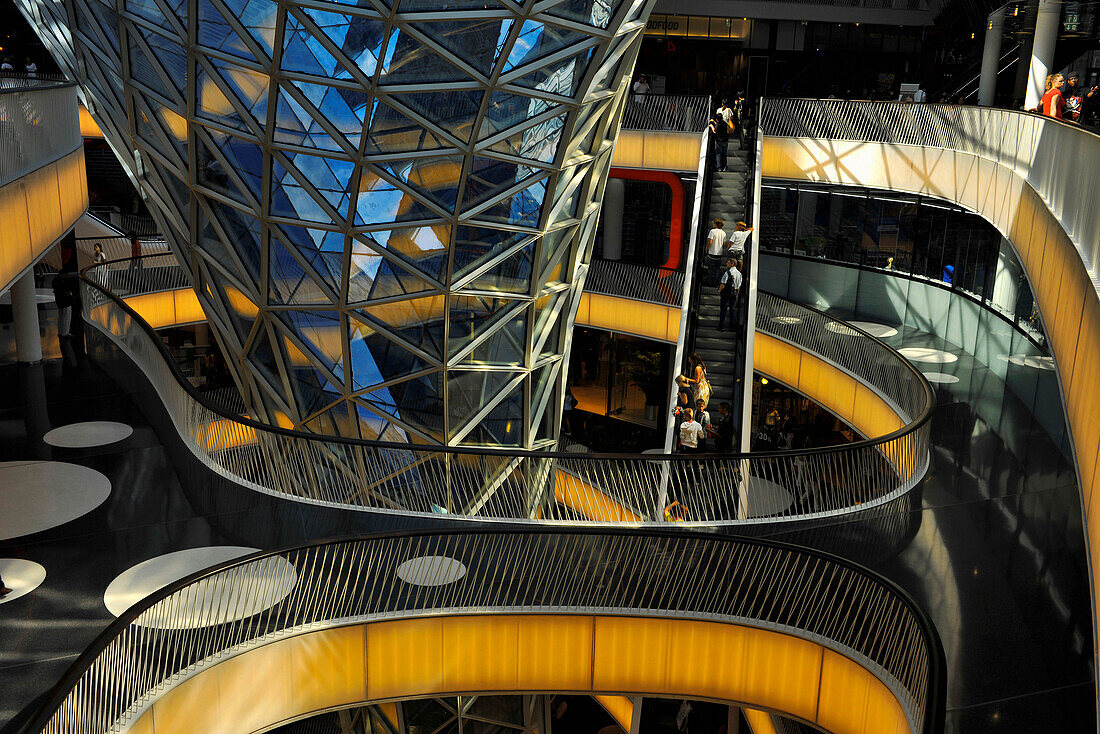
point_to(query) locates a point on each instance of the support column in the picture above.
(614, 198)
(1042, 50)
(24, 309)
(991, 56)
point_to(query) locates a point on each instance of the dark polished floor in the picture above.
(990, 545)
(994, 552)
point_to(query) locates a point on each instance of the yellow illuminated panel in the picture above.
(582, 497)
(88, 126)
(650, 320)
(657, 151)
(223, 434)
(760, 722)
(37, 209)
(168, 308)
(609, 657)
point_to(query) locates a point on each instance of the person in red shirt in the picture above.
(1053, 104)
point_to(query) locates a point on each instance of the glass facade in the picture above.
(386, 205)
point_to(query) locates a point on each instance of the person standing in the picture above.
(726, 114)
(641, 89)
(1075, 100)
(723, 429)
(1052, 103)
(702, 417)
(98, 255)
(30, 69)
(728, 289)
(720, 131)
(716, 247)
(690, 433)
(698, 379)
(5, 66)
(136, 263)
(740, 240)
(65, 296)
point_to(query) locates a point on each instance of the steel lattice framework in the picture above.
(386, 207)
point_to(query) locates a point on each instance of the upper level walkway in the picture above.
(43, 185)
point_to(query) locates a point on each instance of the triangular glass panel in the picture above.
(171, 56)
(329, 176)
(333, 422)
(243, 231)
(144, 71)
(508, 110)
(393, 132)
(435, 178)
(596, 13)
(373, 277)
(408, 61)
(239, 306)
(470, 316)
(344, 109)
(245, 158)
(476, 42)
(474, 245)
(524, 208)
(262, 359)
(259, 18)
(359, 38)
(505, 347)
(418, 402)
(469, 392)
(376, 359)
(417, 321)
(215, 32)
(305, 54)
(108, 21)
(289, 282)
(323, 250)
(320, 332)
(214, 104)
(512, 275)
(425, 247)
(249, 86)
(374, 426)
(382, 202)
(452, 110)
(503, 426)
(295, 126)
(444, 5)
(562, 77)
(538, 40)
(490, 177)
(151, 11)
(553, 245)
(538, 143)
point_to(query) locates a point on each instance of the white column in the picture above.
(24, 311)
(753, 258)
(614, 197)
(991, 56)
(1042, 50)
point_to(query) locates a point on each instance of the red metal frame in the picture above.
(676, 231)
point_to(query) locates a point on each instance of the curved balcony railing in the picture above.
(486, 483)
(636, 282)
(667, 112)
(38, 125)
(205, 618)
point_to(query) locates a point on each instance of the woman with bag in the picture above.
(698, 379)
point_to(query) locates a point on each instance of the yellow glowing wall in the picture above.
(610, 656)
(651, 320)
(657, 150)
(168, 308)
(1066, 296)
(88, 126)
(37, 209)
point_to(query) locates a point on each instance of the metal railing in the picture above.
(194, 623)
(636, 282)
(538, 485)
(668, 112)
(38, 125)
(22, 80)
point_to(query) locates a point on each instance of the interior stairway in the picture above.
(721, 351)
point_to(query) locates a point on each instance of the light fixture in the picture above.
(763, 380)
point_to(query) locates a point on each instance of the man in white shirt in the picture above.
(728, 289)
(716, 247)
(739, 240)
(702, 417)
(690, 433)
(641, 88)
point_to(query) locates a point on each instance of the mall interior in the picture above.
(549, 366)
